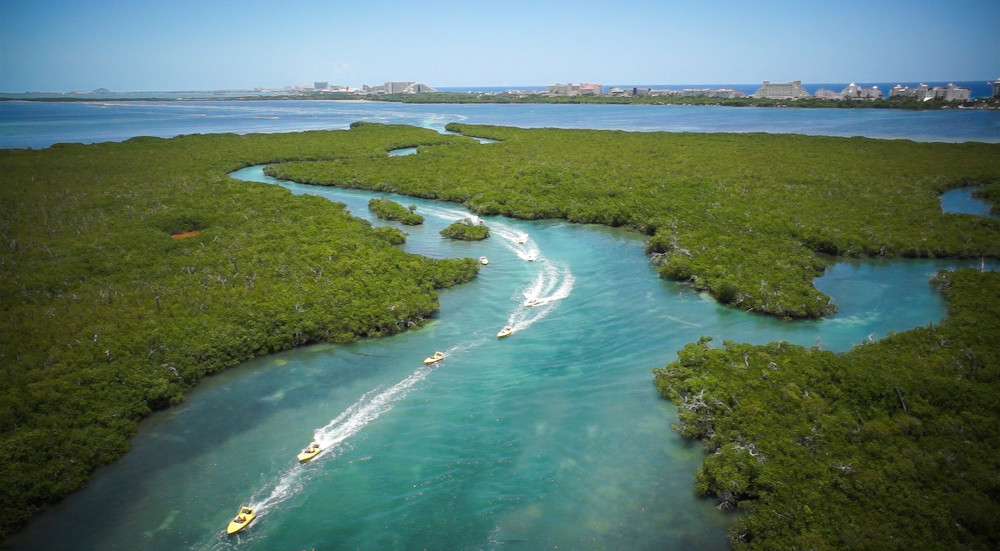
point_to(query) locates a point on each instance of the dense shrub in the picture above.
(387, 209)
(893, 445)
(466, 230)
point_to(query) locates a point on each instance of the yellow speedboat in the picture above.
(532, 302)
(434, 358)
(483, 260)
(309, 453)
(507, 330)
(241, 521)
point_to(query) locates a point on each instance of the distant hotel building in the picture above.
(407, 88)
(926, 93)
(996, 88)
(394, 87)
(584, 89)
(781, 90)
(853, 91)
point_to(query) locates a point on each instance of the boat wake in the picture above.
(553, 283)
(333, 438)
(517, 242)
(450, 214)
(367, 409)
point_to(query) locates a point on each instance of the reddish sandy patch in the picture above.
(182, 235)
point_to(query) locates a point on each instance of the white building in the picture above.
(996, 88)
(407, 88)
(781, 90)
(823, 93)
(926, 93)
(853, 91)
(584, 89)
(396, 87)
(953, 93)
(562, 89)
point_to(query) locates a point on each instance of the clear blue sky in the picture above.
(143, 45)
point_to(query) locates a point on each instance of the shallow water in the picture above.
(552, 437)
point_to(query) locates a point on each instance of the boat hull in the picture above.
(308, 454)
(237, 525)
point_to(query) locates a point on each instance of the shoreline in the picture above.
(435, 98)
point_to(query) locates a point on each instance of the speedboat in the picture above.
(507, 330)
(434, 358)
(531, 257)
(241, 521)
(483, 260)
(310, 452)
(532, 302)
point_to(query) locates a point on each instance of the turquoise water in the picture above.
(551, 438)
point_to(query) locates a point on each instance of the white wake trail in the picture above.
(553, 283)
(516, 241)
(332, 436)
(449, 214)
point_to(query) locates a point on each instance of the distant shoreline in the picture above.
(494, 98)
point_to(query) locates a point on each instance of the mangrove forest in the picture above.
(131, 271)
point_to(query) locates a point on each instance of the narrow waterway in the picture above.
(551, 438)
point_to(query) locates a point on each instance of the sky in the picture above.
(145, 45)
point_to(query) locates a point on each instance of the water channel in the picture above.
(551, 438)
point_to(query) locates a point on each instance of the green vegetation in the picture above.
(750, 218)
(466, 230)
(893, 445)
(107, 317)
(387, 209)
